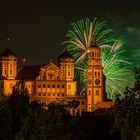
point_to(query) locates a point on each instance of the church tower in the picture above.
(95, 83)
(8, 63)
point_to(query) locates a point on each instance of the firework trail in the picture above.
(115, 67)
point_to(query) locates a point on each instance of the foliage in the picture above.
(127, 111)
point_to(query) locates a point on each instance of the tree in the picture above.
(127, 111)
(13, 112)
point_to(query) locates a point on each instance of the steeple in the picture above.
(8, 62)
(94, 77)
(7, 42)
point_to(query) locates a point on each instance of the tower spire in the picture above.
(8, 42)
(94, 40)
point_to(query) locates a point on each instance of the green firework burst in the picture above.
(115, 67)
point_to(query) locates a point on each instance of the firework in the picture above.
(80, 37)
(115, 67)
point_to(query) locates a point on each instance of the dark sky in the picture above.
(37, 28)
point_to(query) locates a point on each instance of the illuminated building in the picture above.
(51, 82)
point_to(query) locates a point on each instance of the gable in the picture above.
(51, 66)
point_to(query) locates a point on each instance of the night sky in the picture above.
(37, 28)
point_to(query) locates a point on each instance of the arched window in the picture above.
(98, 73)
(95, 73)
(93, 54)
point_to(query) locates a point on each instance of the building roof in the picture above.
(105, 105)
(31, 72)
(94, 44)
(28, 72)
(65, 55)
(7, 52)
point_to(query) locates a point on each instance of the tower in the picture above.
(95, 83)
(66, 64)
(8, 63)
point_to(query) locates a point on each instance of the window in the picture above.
(58, 86)
(28, 86)
(39, 86)
(68, 73)
(49, 94)
(10, 71)
(58, 94)
(44, 86)
(62, 86)
(83, 102)
(4, 71)
(69, 86)
(97, 92)
(98, 73)
(62, 94)
(44, 94)
(93, 54)
(95, 73)
(53, 94)
(49, 86)
(53, 86)
(39, 94)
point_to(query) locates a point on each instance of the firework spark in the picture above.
(80, 37)
(115, 67)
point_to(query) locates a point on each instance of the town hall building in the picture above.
(56, 82)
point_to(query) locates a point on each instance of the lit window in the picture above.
(83, 102)
(44, 86)
(95, 73)
(92, 54)
(68, 73)
(97, 92)
(10, 71)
